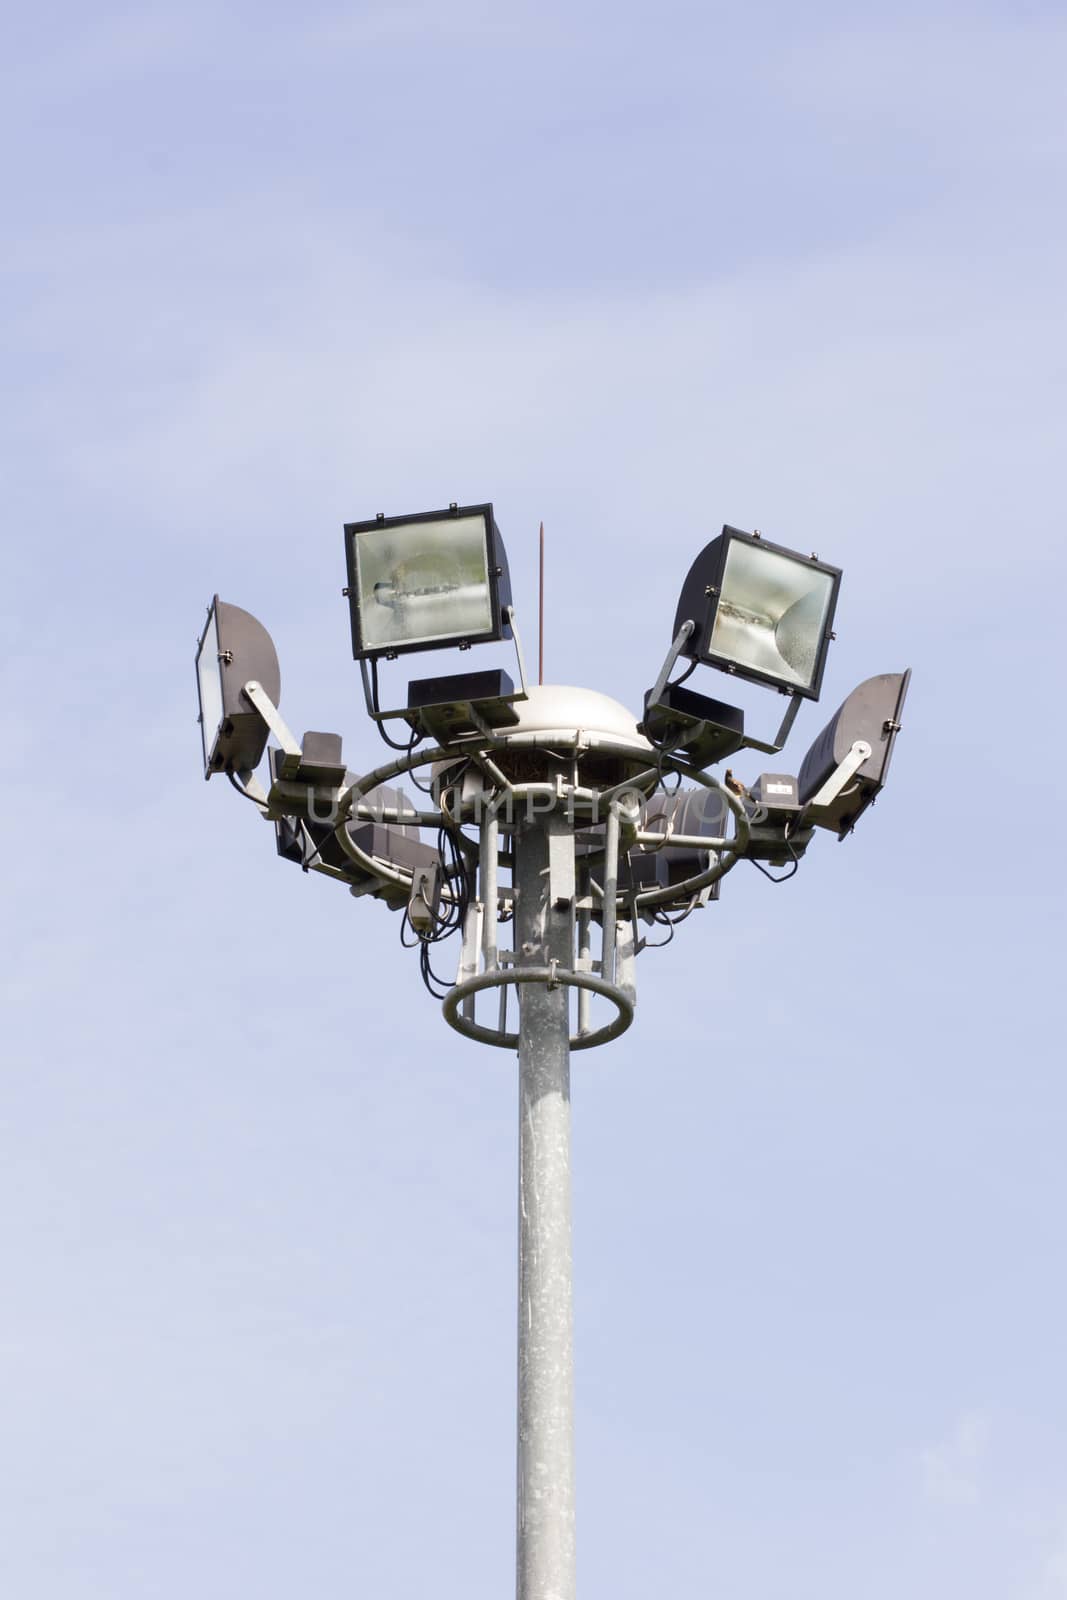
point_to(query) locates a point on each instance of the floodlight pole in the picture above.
(565, 756)
(544, 933)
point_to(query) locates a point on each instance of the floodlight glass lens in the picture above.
(423, 581)
(208, 672)
(771, 615)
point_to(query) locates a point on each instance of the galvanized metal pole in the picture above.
(544, 920)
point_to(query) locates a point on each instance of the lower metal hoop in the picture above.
(501, 976)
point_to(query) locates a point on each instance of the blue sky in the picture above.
(637, 273)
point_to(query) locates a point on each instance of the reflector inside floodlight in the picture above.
(421, 582)
(759, 610)
(425, 582)
(771, 615)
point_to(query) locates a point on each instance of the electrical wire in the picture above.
(435, 986)
(242, 790)
(784, 877)
(393, 744)
(665, 918)
(659, 944)
(423, 788)
(662, 754)
(664, 751)
(688, 673)
(448, 919)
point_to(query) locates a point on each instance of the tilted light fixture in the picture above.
(234, 650)
(846, 767)
(760, 611)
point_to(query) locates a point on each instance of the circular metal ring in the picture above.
(499, 977)
(728, 858)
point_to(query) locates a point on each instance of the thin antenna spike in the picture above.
(541, 612)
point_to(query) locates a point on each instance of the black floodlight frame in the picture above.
(872, 714)
(496, 567)
(699, 602)
(246, 654)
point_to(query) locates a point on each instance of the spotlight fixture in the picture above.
(234, 649)
(426, 581)
(846, 767)
(687, 813)
(760, 611)
(307, 828)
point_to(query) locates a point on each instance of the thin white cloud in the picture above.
(929, 80)
(327, 382)
(952, 1468)
(115, 50)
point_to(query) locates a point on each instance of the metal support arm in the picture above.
(783, 733)
(842, 774)
(685, 632)
(258, 697)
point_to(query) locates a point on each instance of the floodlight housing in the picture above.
(836, 785)
(312, 841)
(693, 812)
(427, 581)
(761, 611)
(234, 649)
(778, 830)
(775, 791)
(461, 704)
(321, 761)
(695, 727)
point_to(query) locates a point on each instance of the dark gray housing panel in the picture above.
(245, 652)
(872, 712)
